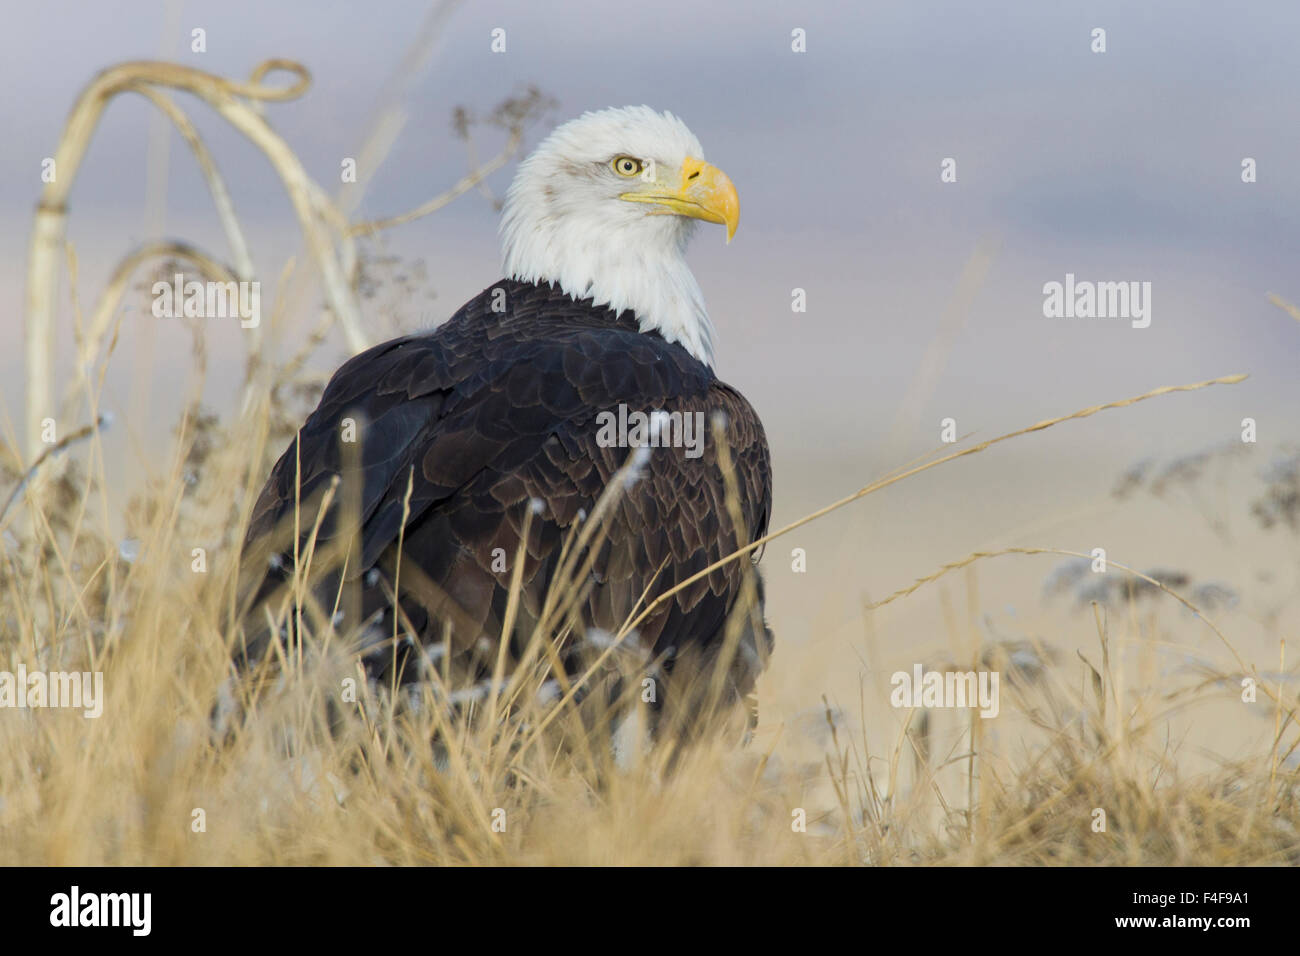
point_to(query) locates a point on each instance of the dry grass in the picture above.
(283, 788)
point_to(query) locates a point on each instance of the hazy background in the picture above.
(1117, 166)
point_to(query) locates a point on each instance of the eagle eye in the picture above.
(627, 166)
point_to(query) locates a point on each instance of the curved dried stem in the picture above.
(464, 185)
(243, 261)
(112, 295)
(231, 100)
(85, 431)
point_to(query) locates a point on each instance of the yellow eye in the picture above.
(627, 165)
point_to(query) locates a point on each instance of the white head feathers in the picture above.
(567, 222)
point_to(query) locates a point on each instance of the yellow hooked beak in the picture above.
(698, 190)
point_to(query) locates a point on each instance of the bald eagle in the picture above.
(509, 420)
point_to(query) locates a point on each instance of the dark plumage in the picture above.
(457, 431)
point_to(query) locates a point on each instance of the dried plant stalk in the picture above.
(231, 100)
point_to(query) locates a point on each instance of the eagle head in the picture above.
(604, 207)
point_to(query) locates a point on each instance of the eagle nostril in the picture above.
(693, 175)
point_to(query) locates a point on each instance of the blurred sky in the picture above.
(1116, 166)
